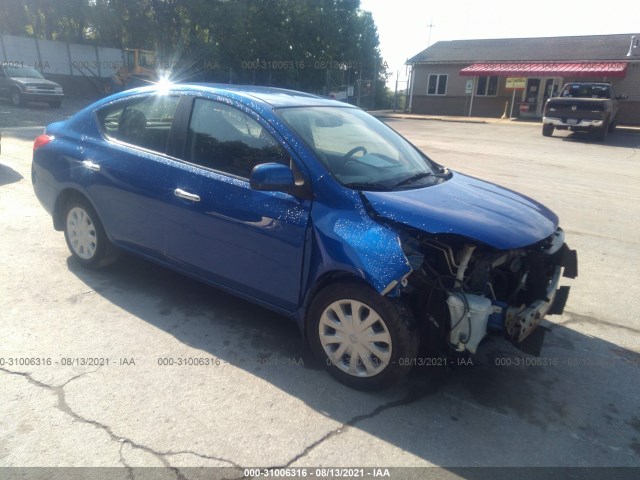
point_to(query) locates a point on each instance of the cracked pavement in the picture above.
(261, 401)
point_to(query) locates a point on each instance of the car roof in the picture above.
(272, 96)
(589, 83)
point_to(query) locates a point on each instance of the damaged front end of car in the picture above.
(461, 290)
(484, 259)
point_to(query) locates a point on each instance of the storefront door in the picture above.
(551, 87)
(529, 108)
(536, 93)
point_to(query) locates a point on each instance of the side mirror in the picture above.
(272, 177)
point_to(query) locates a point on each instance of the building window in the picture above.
(437, 84)
(487, 86)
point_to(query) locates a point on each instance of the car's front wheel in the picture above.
(85, 235)
(365, 340)
(547, 129)
(602, 133)
(16, 98)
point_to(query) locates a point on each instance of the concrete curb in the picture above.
(441, 118)
(434, 119)
(477, 120)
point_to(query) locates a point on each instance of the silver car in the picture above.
(23, 84)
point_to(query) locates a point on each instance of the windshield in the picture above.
(360, 151)
(14, 72)
(586, 90)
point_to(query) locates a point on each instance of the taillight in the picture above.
(41, 141)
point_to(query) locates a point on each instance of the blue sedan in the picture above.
(309, 207)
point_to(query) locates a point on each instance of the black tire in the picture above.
(612, 126)
(386, 361)
(602, 132)
(547, 129)
(85, 235)
(16, 98)
(55, 104)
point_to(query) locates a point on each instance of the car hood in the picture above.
(34, 81)
(577, 101)
(469, 207)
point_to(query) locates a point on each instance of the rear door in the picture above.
(249, 241)
(125, 173)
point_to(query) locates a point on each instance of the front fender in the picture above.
(347, 240)
(356, 243)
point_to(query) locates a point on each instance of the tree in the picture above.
(317, 46)
(13, 18)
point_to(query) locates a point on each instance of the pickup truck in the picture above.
(582, 107)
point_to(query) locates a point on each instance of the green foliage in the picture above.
(318, 46)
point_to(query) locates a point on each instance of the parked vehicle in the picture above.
(582, 107)
(23, 84)
(312, 208)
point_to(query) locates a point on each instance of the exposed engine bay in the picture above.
(460, 290)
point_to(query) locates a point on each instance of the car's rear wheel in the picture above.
(16, 98)
(602, 133)
(365, 340)
(547, 129)
(85, 235)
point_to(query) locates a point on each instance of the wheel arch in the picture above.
(105, 252)
(397, 321)
(63, 198)
(323, 281)
(18, 89)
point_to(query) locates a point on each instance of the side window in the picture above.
(226, 139)
(437, 84)
(144, 122)
(487, 86)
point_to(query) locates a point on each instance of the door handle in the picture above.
(88, 164)
(192, 197)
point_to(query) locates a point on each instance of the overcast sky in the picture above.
(403, 25)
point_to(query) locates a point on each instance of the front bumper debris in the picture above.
(520, 322)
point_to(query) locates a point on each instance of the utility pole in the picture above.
(375, 77)
(359, 84)
(410, 87)
(431, 25)
(395, 94)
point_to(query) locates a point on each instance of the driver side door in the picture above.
(249, 241)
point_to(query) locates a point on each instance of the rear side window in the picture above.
(144, 122)
(226, 139)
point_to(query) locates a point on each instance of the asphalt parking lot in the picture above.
(85, 380)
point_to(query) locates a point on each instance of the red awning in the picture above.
(584, 69)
